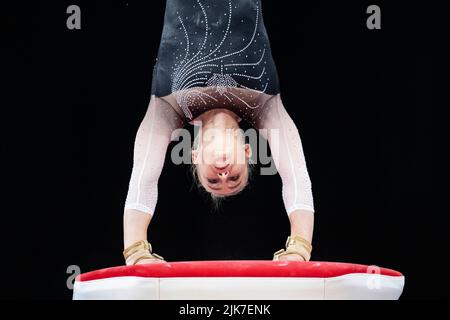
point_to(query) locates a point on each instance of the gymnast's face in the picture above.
(221, 160)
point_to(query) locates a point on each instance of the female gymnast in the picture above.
(214, 69)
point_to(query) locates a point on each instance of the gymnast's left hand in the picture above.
(291, 257)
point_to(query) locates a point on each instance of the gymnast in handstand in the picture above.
(215, 68)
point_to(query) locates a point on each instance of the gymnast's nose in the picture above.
(223, 174)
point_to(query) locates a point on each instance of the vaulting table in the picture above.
(240, 280)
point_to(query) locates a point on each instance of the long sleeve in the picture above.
(152, 139)
(287, 153)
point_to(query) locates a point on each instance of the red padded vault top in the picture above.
(236, 268)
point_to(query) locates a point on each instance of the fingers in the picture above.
(150, 261)
(291, 257)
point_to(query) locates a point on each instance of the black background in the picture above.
(362, 99)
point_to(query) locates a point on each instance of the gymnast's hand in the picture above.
(140, 252)
(297, 249)
(291, 257)
(149, 261)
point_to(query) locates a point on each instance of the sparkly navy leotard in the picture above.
(215, 53)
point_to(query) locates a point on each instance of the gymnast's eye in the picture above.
(235, 178)
(213, 181)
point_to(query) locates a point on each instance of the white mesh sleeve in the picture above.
(152, 139)
(287, 153)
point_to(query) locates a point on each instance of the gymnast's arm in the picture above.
(287, 153)
(152, 139)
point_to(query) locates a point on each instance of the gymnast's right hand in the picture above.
(149, 261)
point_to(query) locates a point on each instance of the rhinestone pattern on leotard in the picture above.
(219, 56)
